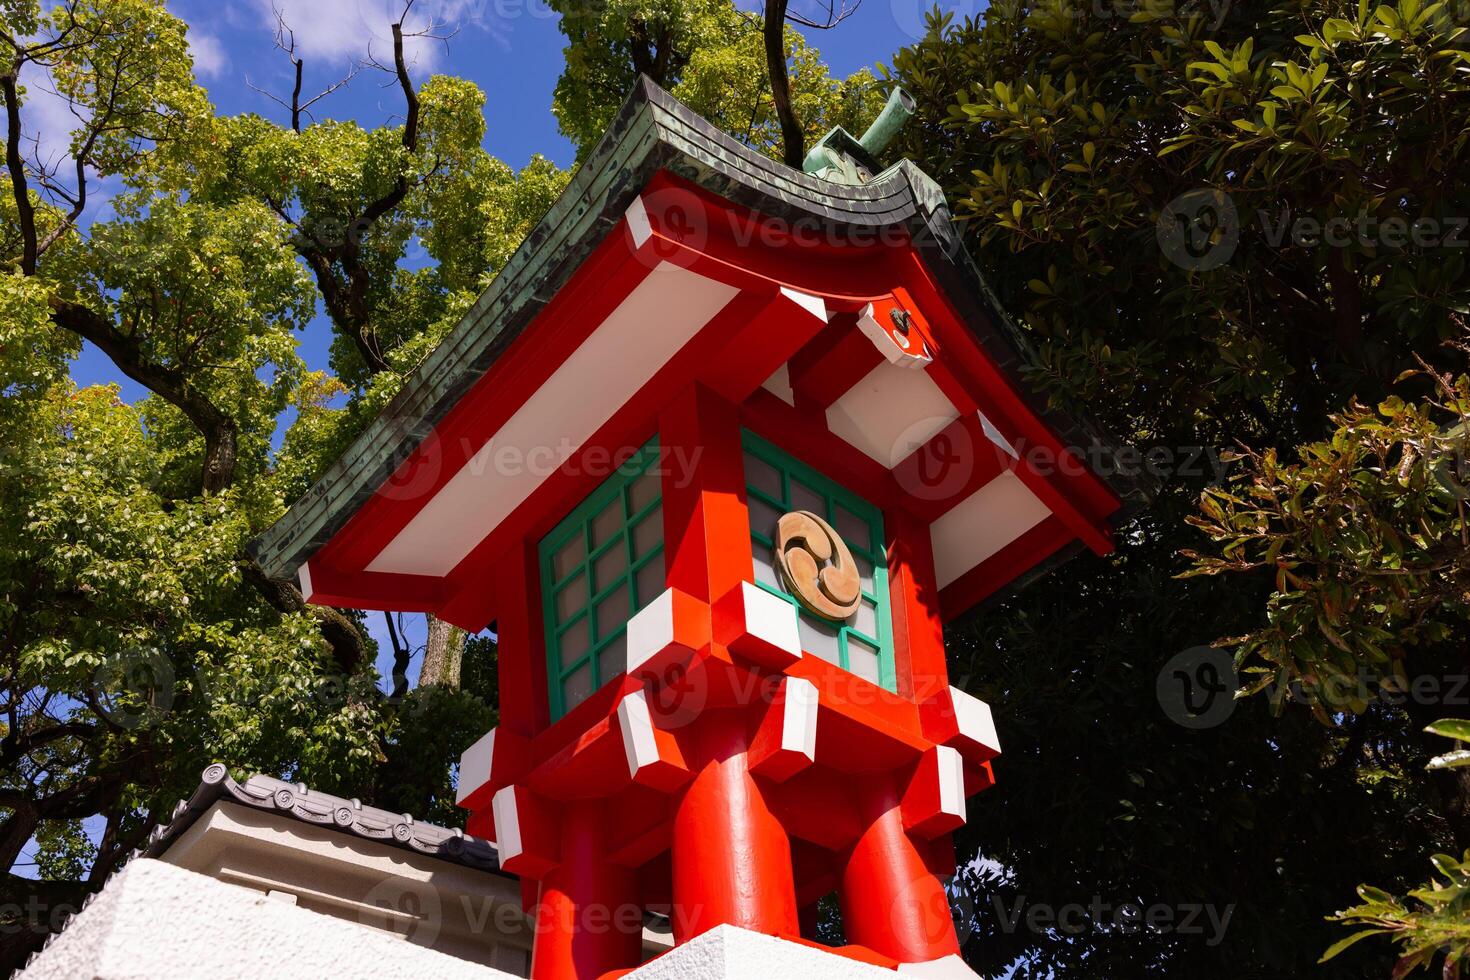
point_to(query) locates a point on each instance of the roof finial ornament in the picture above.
(843, 159)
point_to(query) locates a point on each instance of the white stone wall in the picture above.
(156, 920)
(728, 952)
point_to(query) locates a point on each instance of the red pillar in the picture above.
(892, 901)
(731, 856)
(588, 920)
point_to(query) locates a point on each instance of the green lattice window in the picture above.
(600, 565)
(776, 483)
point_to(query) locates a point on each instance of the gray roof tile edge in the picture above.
(300, 803)
(653, 131)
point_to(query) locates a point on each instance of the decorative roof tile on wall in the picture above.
(298, 802)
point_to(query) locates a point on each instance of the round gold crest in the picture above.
(817, 566)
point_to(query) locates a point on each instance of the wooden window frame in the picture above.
(579, 523)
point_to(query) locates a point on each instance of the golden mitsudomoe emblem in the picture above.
(816, 566)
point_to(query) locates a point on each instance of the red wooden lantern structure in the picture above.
(720, 452)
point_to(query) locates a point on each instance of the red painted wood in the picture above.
(731, 856)
(773, 334)
(624, 433)
(1003, 567)
(694, 228)
(805, 435)
(611, 272)
(706, 525)
(918, 633)
(588, 920)
(838, 358)
(805, 255)
(520, 649)
(364, 590)
(947, 469)
(893, 902)
(980, 383)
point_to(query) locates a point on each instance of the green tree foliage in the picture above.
(1223, 225)
(1432, 924)
(711, 56)
(139, 640)
(1367, 541)
(1434, 921)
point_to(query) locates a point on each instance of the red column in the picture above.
(588, 920)
(892, 901)
(731, 856)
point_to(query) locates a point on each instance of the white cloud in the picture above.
(46, 118)
(47, 124)
(339, 31)
(210, 58)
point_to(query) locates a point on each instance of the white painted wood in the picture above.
(974, 719)
(638, 225)
(770, 618)
(949, 967)
(655, 320)
(303, 576)
(916, 355)
(779, 384)
(890, 413)
(993, 434)
(650, 630)
(634, 721)
(506, 813)
(475, 764)
(982, 524)
(951, 781)
(799, 719)
(814, 305)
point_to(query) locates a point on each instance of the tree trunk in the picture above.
(14, 833)
(793, 141)
(442, 653)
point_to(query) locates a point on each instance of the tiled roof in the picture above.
(325, 810)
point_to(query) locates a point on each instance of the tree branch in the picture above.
(170, 384)
(793, 141)
(15, 163)
(349, 648)
(401, 656)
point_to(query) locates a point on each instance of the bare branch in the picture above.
(349, 649)
(837, 12)
(285, 41)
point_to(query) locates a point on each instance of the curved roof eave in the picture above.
(653, 131)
